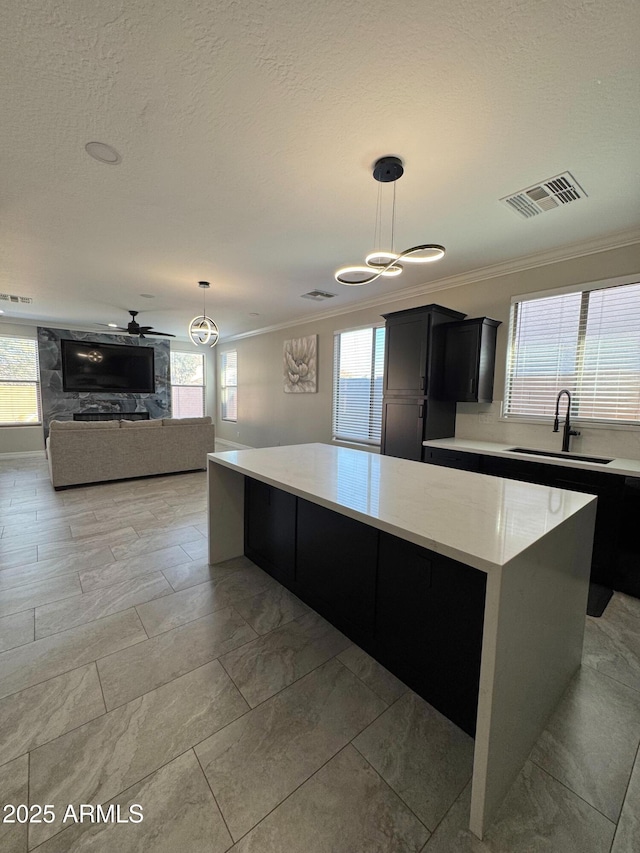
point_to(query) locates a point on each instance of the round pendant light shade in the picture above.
(203, 331)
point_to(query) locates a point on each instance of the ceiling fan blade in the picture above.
(161, 334)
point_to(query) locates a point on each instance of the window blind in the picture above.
(187, 384)
(357, 385)
(587, 342)
(19, 382)
(229, 385)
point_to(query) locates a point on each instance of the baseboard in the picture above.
(23, 454)
(222, 444)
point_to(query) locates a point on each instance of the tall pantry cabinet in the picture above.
(413, 410)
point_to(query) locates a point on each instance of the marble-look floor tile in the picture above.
(179, 814)
(199, 571)
(344, 808)
(27, 528)
(263, 667)
(43, 712)
(196, 601)
(14, 789)
(270, 609)
(54, 567)
(590, 741)
(135, 671)
(257, 761)
(98, 761)
(612, 646)
(17, 554)
(145, 544)
(36, 536)
(163, 522)
(51, 550)
(627, 839)
(123, 570)
(422, 755)
(198, 549)
(125, 508)
(16, 630)
(32, 595)
(62, 615)
(374, 675)
(621, 606)
(538, 815)
(82, 530)
(43, 659)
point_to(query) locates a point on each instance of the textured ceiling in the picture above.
(247, 132)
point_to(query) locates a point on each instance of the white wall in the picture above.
(267, 416)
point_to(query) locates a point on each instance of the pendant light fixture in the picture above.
(202, 330)
(383, 262)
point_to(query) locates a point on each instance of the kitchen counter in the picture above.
(626, 467)
(532, 542)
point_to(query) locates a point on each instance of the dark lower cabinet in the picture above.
(428, 627)
(270, 529)
(608, 488)
(335, 567)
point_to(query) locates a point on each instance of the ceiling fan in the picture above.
(134, 328)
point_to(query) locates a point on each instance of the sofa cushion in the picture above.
(181, 421)
(155, 422)
(83, 425)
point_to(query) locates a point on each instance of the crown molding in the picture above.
(526, 262)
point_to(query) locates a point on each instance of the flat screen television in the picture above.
(107, 367)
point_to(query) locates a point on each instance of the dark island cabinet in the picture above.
(429, 625)
(270, 529)
(416, 612)
(469, 360)
(335, 567)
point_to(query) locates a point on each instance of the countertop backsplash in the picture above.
(481, 421)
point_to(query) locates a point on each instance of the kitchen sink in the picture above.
(575, 456)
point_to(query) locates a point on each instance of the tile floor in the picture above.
(131, 672)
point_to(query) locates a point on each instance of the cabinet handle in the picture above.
(423, 383)
(420, 412)
(472, 385)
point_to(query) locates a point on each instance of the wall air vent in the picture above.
(546, 195)
(18, 300)
(318, 295)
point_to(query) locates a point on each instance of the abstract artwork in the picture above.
(300, 365)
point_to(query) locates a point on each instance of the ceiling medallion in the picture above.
(382, 262)
(202, 330)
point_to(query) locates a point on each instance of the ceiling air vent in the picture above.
(546, 195)
(318, 295)
(21, 300)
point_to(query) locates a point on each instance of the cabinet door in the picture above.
(461, 361)
(452, 459)
(405, 364)
(336, 567)
(403, 428)
(428, 628)
(270, 529)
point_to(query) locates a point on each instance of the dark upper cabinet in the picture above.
(408, 348)
(403, 427)
(469, 360)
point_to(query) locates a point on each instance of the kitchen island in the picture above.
(530, 546)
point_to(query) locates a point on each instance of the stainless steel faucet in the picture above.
(567, 432)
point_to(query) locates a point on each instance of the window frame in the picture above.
(224, 386)
(584, 289)
(361, 441)
(173, 352)
(35, 383)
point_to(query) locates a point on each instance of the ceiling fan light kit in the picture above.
(203, 331)
(382, 262)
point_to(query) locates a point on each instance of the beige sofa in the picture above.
(95, 451)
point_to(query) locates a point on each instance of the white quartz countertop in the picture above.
(627, 467)
(481, 521)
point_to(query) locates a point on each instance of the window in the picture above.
(229, 385)
(587, 342)
(358, 365)
(19, 382)
(187, 384)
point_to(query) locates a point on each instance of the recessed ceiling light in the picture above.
(103, 153)
(1, 311)
(253, 314)
(147, 295)
(112, 325)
